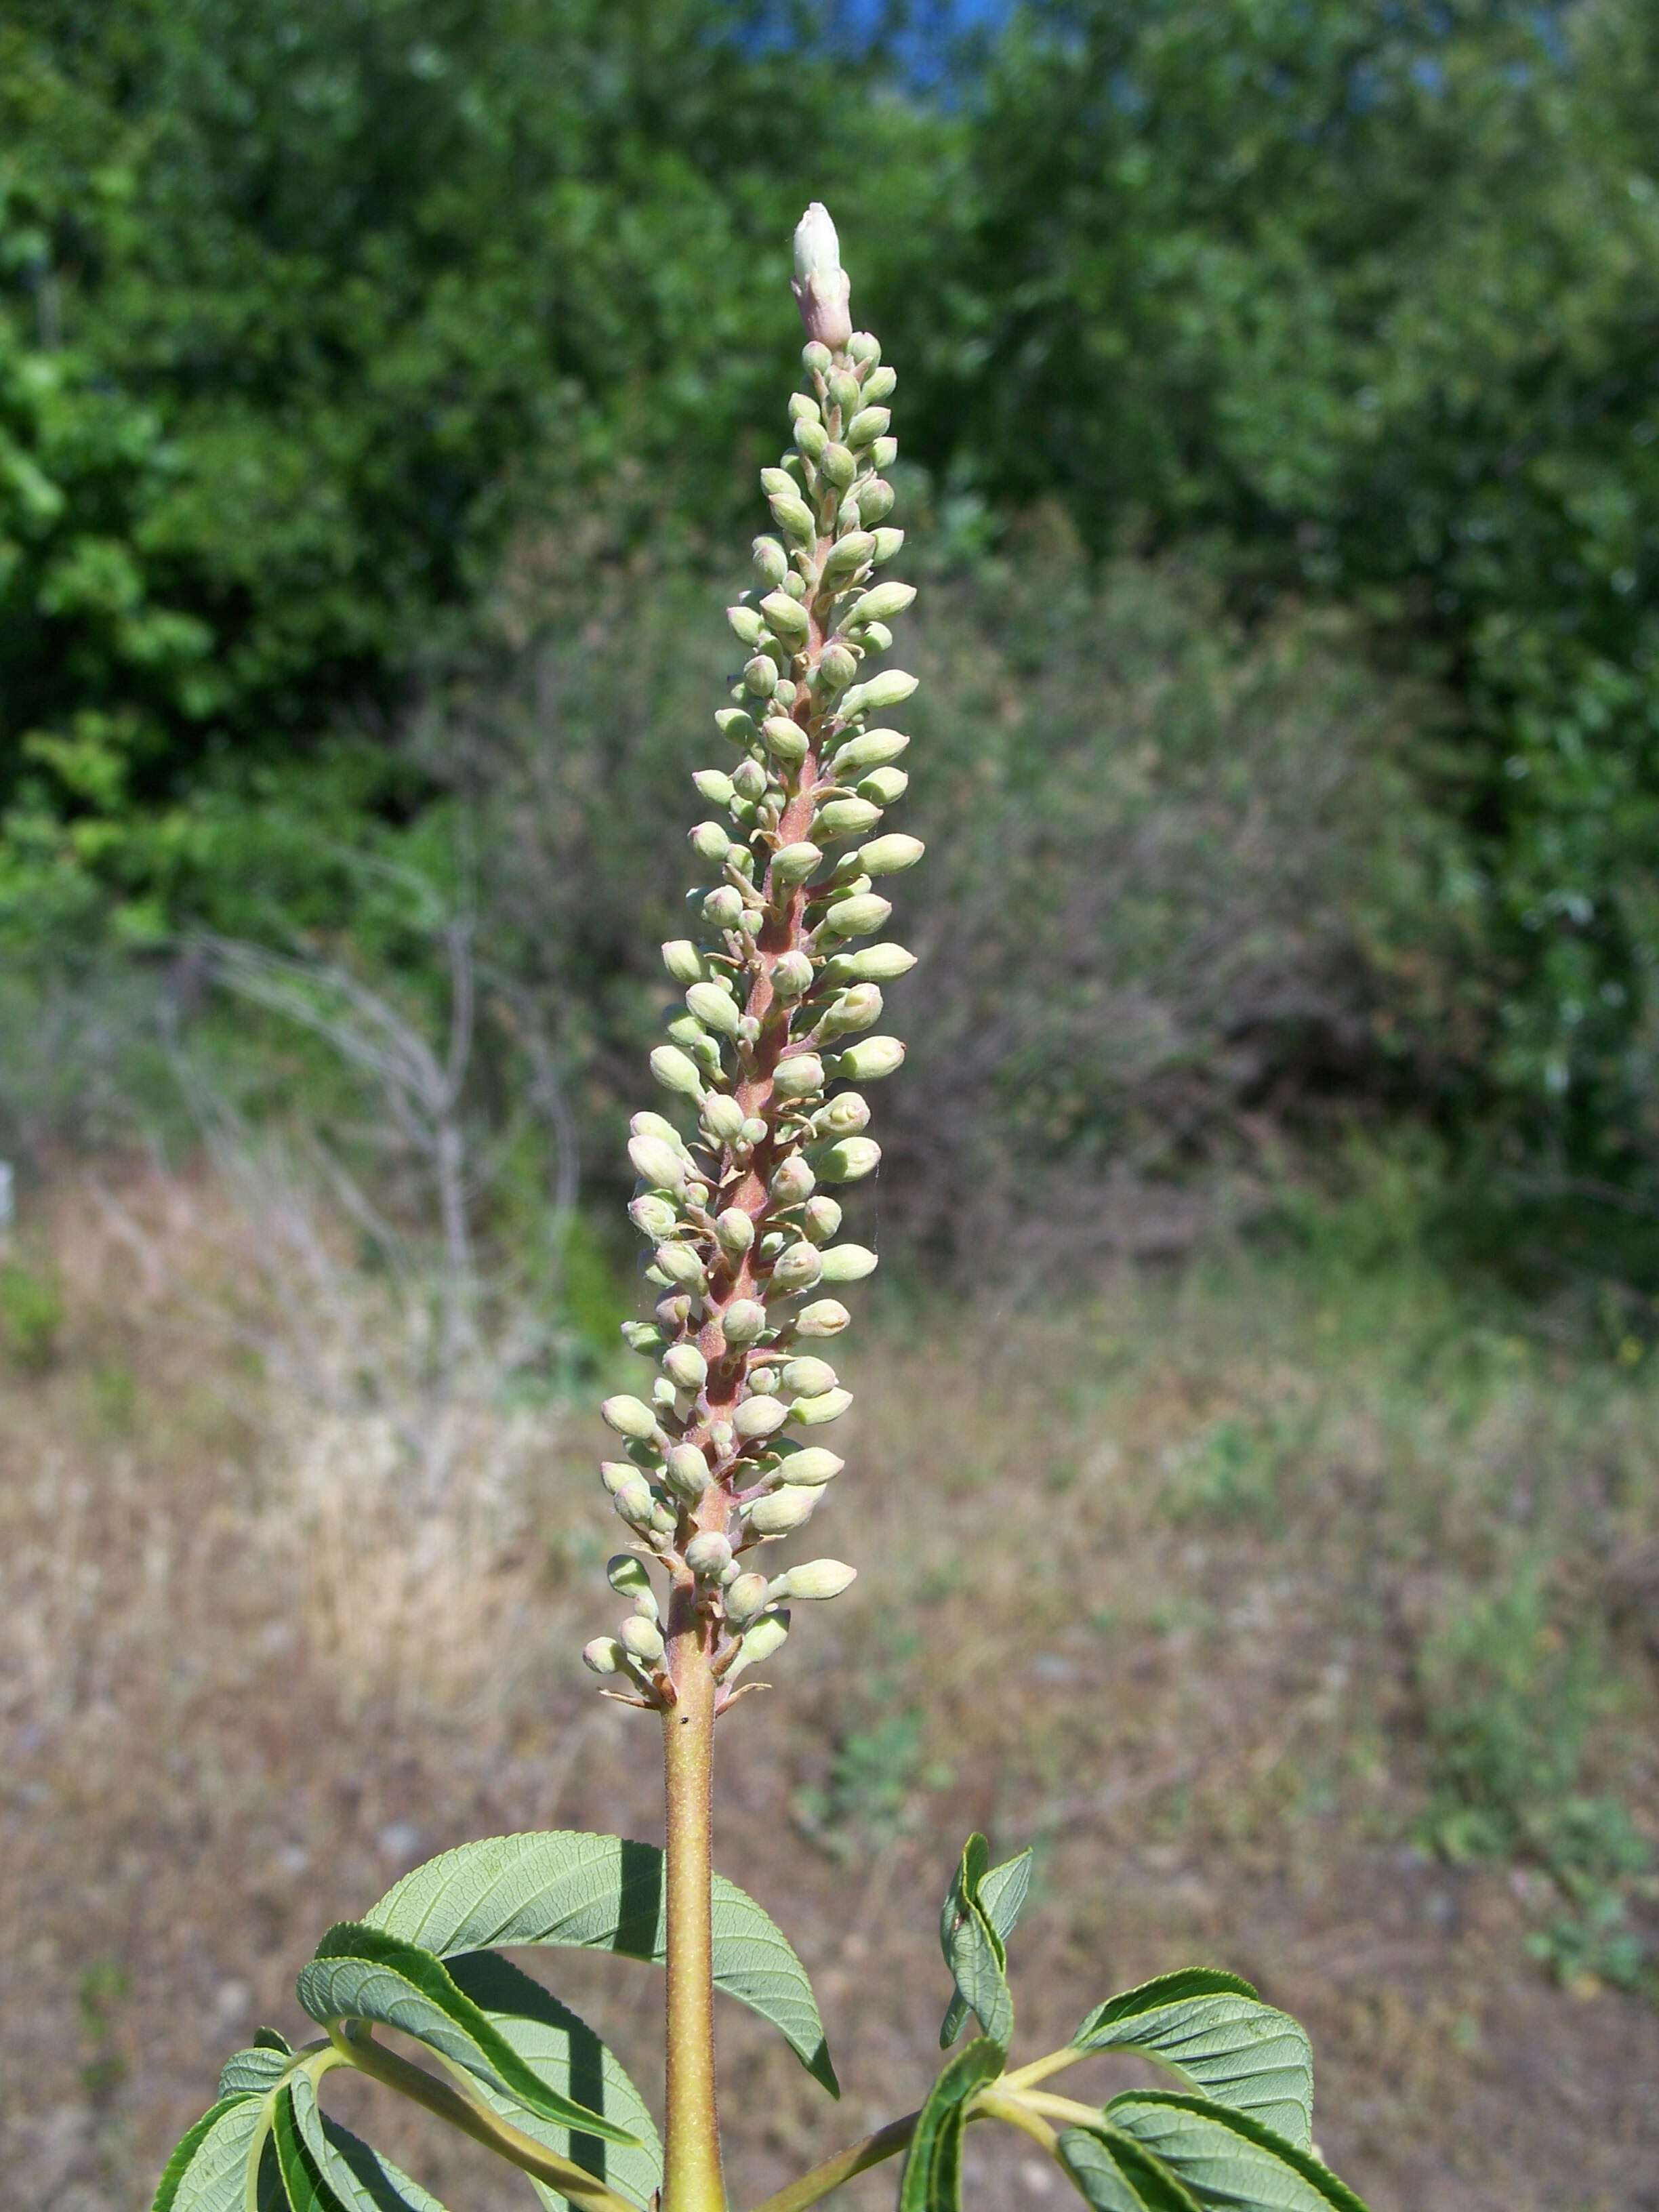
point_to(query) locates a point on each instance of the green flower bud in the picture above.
(875, 636)
(788, 618)
(683, 960)
(870, 749)
(823, 1318)
(749, 780)
(653, 1216)
(797, 1268)
(817, 1578)
(657, 1163)
(809, 1378)
(792, 864)
(603, 1656)
(614, 1472)
(747, 626)
(836, 465)
(822, 1218)
(846, 818)
(792, 975)
(635, 1503)
(875, 504)
(708, 1555)
(810, 437)
(629, 1417)
(627, 1576)
(723, 907)
(758, 1416)
(760, 675)
(646, 1124)
(686, 1472)
(735, 1231)
(814, 1412)
(685, 1367)
(864, 346)
(753, 1131)
(792, 1181)
(883, 603)
(850, 917)
(714, 785)
(732, 722)
(642, 1640)
(871, 1059)
(786, 740)
(714, 1008)
(845, 392)
(853, 1009)
(744, 1320)
(848, 1263)
(763, 1382)
(890, 855)
(746, 1600)
(801, 1076)
(876, 963)
(760, 1643)
(846, 556)
(811, 1468)
(880, 384)
(680, 1265)
(884, 451)
(844, 1116)
(815, 358)
(867, 426)
(643, 1336)
(722, 1117)
(675, 1071)
(794, 518)
(848, 1160)
(781, 1510)
(891, 688)
(777, 481)
(884, 785)
(887, 545)
(771, 562)
(802, 403)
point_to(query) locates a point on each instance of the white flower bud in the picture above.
(604, 1655)
(867, 426)
(714, 785)
(686, 1472)
(683, 960)
(792, 1181)
(813, 1413)
(792, 975)
(823, 1318)
(853, 1009)
(876, 963)
(848, 1263)
(723, 907)
(788, 618)
(759, 1417)
(781, 1510)
(681, 1266)
(709, 842)
(708, 1555)
(653, 1125)
(792, 864)
(822, 1218)
(891, 688)
(820, 284)
(886, 856)
(794, 518)
(785, 738)
(837, 666)
(882, 602)
(685, 1367)
(722, 1117)
(629, 1417)
(855, 916)
(642, 1640)
(870, 749)
(656, 1163)
(760, 1643)
(811, 1468)
(744, 1320)
(653, 1216)
(675, 1072)
(800, 1267)
(846, 556)
(746, 625)
(714, 1008)
(883, 787)
(753, 1131)
(849, 1160)
(870, 1058)
(816, 1578)
(888, 543)
(808, 1377)
(763, 1382)
(643, 1336)
(634, 1502)
(800, 1076)
(884, 451)
(745, 1599)
(844, 1116)
(846, 818)
(771, 562)
(734, 1230)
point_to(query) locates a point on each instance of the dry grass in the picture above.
(1153, 1587)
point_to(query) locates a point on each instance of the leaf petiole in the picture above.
(1039, 2069)
(886, 2142)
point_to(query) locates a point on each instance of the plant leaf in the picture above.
(1112, 2173)
(362, 1973)
(1226, 2158)
(1211, 2030)
(563, 2051)
(971, 1937)
(303, 2185)
(600, 1894)
(250, 2073)
(272, 2039)
(932, 2166)
(361, 2179)
(208, 2171)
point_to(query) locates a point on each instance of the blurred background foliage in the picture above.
(379, 385)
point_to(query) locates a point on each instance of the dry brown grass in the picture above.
(1145, 1587)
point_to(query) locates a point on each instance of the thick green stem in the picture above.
(886, 2142)
(691, 2181)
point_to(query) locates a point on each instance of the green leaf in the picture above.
(932, 2166)
(303, 2185)
(1211, 2030)
(563, 2051)
(361, 2179)
(362, 1973)
(971, 1933)
(252, 2072)
(600, 1894)
(1226, 2158)
(1112, 2173)
(272, 2039)
(207, 2172)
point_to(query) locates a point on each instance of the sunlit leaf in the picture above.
(1210, 2029)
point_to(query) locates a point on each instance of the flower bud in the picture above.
(714, 1008)
(722, 1117)
(656, 1163)
(642, 1640)
(849, 917)
(811, 1468)
(888, 543)
(809, 1378)
(686, 1472)
(744, 1320)
(871, 1059)
(822, 1218)
(836, 465)
(771, 562)
(653, 1216)
(867, 426)
(770, 1631)
(747, 626)
(760, 675)
(735, 1231)
(753, 1131)
(820, 284)
(876, 963)
(644, 1337)
(801, 1076)
(813, 1413)
(875, 498)
(675, 1071)
(685, 1367)
(629, 1417)
(781, 1510)
(846, 556)
(846, 818)
(792, 1181)
(802, 403)
(798, 1268)
(745, 1599)
(708, 1555)
(604, 1655)
(673, 1312)
(714, 785)
(748, 780)
(853, 1009)
(683, 960)
(848, 1263)
(646, 1124)
(870, 749)
(794, 518)
(681, 1265)
(627, 1576)
(635, 1503)
(882, 602)
(848, 1160)
(792, 864)
(883, 786)
(837, 666)
(763, 1382)
(845, 392)
(810, 437)
(823, 1318)
(723, 907)
(891, 687)
(815, 358)
(758, 1416)
(890, 855)
(788, 618)
(816, 1578)
(792, 975)
(786, 740)
(884, 451)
